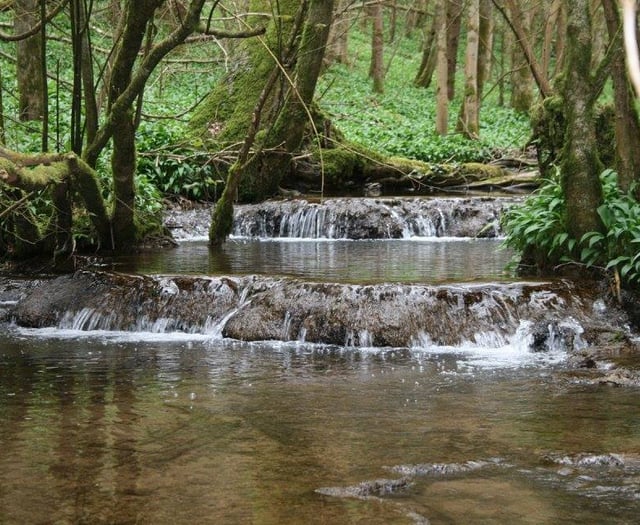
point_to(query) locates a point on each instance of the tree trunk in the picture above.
(267, 166)
(516, 19)
(521, 80)
(61, 172)
(290, 125)
(88, 84)
(627, 127)
(468, 120)
(442, 69)
(123, 161)
(29, 66)
(550, 29)
(629, 8)
(376, 71)
(454, 10)
(580, 166)
(486, 44)
(415, 16)
(428, 64)
(393, 20)
(337, 46)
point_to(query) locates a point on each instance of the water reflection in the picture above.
(427, 260)
(98, 431)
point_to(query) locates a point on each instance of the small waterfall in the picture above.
(313, 222)
(371, 218)
(499, 321)
(87, 319)
(215, 328)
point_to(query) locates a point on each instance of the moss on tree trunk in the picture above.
(580, 166)
(65, 175)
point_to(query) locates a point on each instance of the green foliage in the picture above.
(174, 168)
(538, 225)
(618, 247)
(401, 122)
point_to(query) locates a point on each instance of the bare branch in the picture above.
(35, 29)
(516, 26)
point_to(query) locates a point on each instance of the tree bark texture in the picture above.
(123, 161)
(454, 10)
(521, 80)
(485, 51)
(376, 71)
(468, 120)
(29, 66)
(337, 47)
(267, 167)
(66, 175)
(427, 67)
(442, 68)
(580, 166)
(627, 126)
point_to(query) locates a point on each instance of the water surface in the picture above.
(135, 428)
(427, 260)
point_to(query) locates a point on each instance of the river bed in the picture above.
(155, 428)
(179, 428)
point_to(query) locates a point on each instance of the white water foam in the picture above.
(493, 350)
(108, 336)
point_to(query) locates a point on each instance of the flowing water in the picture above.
(122, 428)
(178, 428)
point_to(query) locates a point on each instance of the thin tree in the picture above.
(454, 10)
(376, 71)
(627, 125)
(468, 120)
(442, 68)
(485, 53)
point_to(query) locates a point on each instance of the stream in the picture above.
(158, 425)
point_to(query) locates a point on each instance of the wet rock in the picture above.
(12, 291)
(372, 218)
(373, 189)
(444, 469)
(583, 460)
(107, 301)
(188, 223)
(367, 489)
(555, 336)
(261, 308)
(621, 377)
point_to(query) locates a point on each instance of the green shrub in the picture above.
(617, 248)
(538, 225)
(174, 168)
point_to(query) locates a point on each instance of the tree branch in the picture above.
(35, 29)
(514, 23)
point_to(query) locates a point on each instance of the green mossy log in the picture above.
(64, 175)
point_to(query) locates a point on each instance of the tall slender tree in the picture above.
(442, 68)
(376, 71)
(627, 126)
(468, 120)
